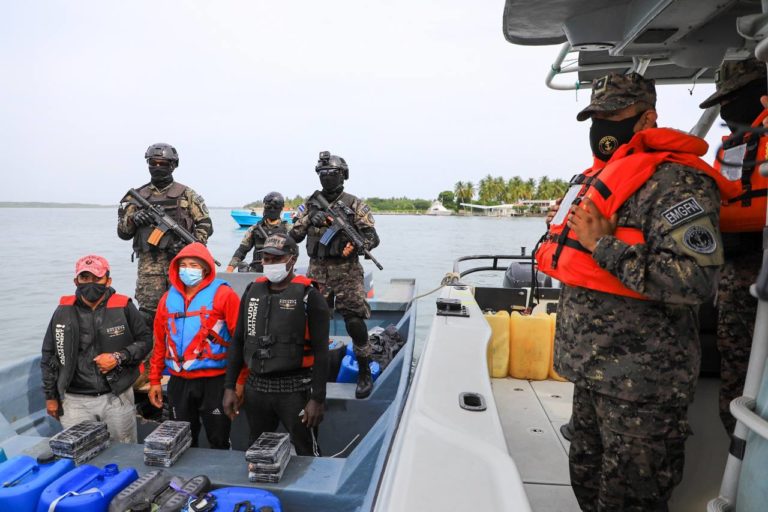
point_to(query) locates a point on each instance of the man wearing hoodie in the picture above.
(194, 322)
(91, 353)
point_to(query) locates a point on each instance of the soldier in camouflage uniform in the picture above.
(335, 266)
(257, 234)
(635, 362)
(181, 203)
(739, 86)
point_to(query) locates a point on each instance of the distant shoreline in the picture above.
(44, 205)
(35, 204)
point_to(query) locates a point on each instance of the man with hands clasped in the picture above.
(636, 245)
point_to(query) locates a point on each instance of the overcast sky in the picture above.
(415, 94)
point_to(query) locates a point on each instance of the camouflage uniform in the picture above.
(743, 258)
(152, 278)
(253, 239)
(341, 279)
(635, 362)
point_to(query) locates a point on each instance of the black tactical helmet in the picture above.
(329, 161)
(163, 151)
(274, 200)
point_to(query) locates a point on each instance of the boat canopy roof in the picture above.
(673, 41)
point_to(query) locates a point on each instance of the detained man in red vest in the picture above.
(91, 353)
(635, 243)
(194, 323)
(282, 336)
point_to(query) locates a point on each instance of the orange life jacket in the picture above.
(745, 211)
(560, 254)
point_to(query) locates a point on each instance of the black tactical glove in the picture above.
(319, 219)
(142, 218)
(177, 246)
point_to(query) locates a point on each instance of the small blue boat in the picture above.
(247, 218)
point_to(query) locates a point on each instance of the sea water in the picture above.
(40, 247)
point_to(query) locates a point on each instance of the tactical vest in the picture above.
(335, 243)
(276, 328)
(197, 336)
(113, 335)
(258, 241)
(171, 200)
(745, 212)
(560, 255)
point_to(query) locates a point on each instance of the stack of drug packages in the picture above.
(166, 443)
(268, 457)
(81, 442)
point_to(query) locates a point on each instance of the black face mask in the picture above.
(606, 136)
(744, 107)
(161, 176)
(332, 183)
(91, 291)
(271, 213)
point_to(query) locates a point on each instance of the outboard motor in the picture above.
(519, 275)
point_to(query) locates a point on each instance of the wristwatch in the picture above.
(118, 357)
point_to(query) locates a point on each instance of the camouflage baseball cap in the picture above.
(731, 76)
(280, 244)
(616, 91)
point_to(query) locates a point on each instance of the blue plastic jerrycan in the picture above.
(85, 489)
(22, 480)
(228, 497)
(349, 369)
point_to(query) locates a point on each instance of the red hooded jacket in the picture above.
(225, 301)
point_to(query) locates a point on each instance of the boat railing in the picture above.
(495, 258)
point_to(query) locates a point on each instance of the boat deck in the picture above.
(531, 413)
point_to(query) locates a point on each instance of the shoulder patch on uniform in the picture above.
(700, 239)
(683, 211)
(201, 202)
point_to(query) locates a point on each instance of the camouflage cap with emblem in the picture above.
(731, 76)
(280, 244)
(616, 91)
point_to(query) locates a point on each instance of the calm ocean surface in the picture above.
(41, 245)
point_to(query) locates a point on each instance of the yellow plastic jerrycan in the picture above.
(498, 347)
(530, 346)
(552, 373)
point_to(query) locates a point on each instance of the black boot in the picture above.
(364, 378)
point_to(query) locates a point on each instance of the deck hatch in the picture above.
(474, 402)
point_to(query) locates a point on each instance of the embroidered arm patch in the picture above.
(701, 241)
(682, 212)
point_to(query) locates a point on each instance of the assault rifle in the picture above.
(338, 214)
(162, 222)
(261, 231)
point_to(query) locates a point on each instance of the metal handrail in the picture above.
(641, 65)
(742, 409)
(494, 257)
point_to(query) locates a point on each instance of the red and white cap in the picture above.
(96, 265)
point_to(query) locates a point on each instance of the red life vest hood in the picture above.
(193, 250)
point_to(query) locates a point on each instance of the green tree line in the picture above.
(497, 190)
(488, 191)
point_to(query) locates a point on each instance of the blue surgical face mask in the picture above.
(190, 276)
